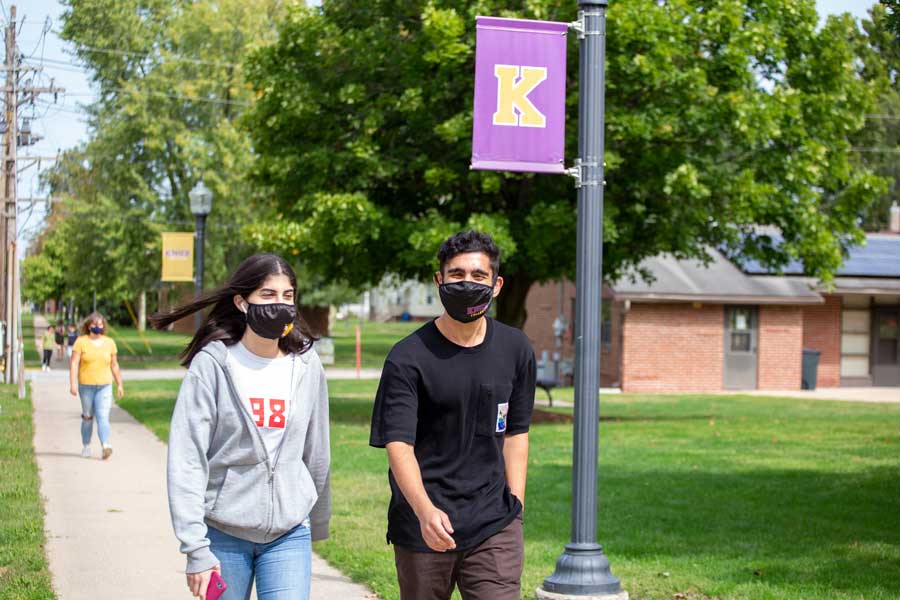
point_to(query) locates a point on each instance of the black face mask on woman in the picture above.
(271, 321)
(466, 301)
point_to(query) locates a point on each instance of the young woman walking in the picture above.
(47, 342)
(249, 454)
(92, 368)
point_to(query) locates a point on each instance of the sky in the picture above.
(62, 126)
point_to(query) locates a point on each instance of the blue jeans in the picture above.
(96, 402)
(283, 568)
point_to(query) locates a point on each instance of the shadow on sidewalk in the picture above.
(61, 454)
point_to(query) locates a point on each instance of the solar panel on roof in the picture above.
(880, 257)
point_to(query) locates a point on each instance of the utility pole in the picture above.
(10, 293)
(8, 218)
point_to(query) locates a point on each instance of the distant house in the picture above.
(394, 300)
(410, 299)
(699, 327)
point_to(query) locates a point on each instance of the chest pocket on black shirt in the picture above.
(493, 408)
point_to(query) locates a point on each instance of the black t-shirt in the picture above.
(455, 405)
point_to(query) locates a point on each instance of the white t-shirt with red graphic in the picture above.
(265, 386)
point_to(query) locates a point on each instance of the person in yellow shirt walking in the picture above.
(47, 346)
(91, 372)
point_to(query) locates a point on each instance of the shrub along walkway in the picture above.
(107, 522)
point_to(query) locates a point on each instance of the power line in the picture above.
(154, 92)
(43, 39)
(162, 56)
(162, 94)
(72, 67)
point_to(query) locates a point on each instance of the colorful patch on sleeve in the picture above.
(502, 410)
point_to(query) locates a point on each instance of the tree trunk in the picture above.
(317, 319)
(511, 301)
(142, 312)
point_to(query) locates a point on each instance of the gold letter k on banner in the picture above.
(514, 83)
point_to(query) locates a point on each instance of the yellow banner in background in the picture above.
(177, 256)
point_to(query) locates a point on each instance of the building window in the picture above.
(856, 337)
(741, 330)
(740, 342)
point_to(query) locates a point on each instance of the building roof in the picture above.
(879, 257)
(720, 281)
(870, 286)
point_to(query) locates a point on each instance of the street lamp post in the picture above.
(583, 570)
(201, 205)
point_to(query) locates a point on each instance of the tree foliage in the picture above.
(726, 121)
(171, 88)
(878, 143)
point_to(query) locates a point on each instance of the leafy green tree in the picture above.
(94, 246)
(878, 143)
(726, 120)
(171, 88)
(892, 15)
(41, 278)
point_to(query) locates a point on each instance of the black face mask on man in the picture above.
(271, 321)
(466, 301)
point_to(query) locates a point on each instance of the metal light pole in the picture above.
(201, 205)
(583, 569)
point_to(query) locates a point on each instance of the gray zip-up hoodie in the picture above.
(219, 471)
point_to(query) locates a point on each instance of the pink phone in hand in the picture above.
(216, 587)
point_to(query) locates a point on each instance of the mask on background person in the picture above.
(271, 321)
(466, 301)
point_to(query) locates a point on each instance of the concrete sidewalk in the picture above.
(107, 522)
(845, 394)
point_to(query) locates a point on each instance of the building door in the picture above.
(886, 345)
(741, 325)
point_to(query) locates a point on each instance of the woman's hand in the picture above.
(120, 391)
(198, 582)
(73, 389)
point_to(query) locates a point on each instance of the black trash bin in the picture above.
(810, 369)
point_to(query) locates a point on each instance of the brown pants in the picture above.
(490, 571)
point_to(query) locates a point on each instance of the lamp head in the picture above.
(201, 199)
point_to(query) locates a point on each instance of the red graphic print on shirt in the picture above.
(275, 412)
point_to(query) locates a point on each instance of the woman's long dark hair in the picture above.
(224, 321)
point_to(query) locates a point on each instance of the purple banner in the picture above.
(520, 95)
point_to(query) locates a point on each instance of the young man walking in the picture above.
(453, 409)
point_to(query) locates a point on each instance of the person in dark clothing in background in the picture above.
(60, 340)
(71, 336)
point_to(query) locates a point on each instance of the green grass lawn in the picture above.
(164, 346)
(377, 339)
(732, 497)
(32, 358)
(23, 566)
(152, 350)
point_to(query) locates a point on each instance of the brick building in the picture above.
(707, 327)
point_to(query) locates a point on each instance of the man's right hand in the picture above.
(198, 582)
(436, 529)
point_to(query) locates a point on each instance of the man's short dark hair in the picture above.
(470, 241)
